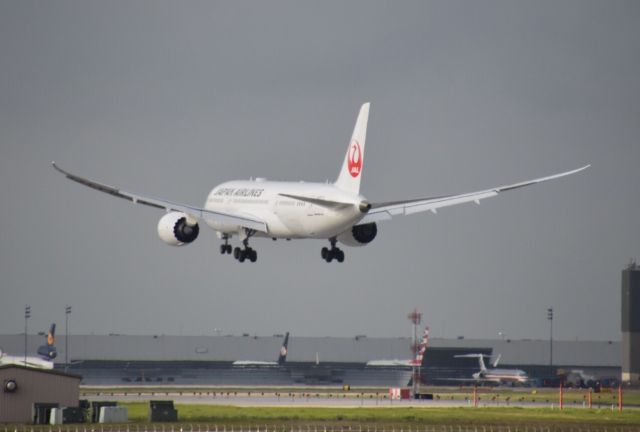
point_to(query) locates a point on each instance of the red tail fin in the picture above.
(423, 347)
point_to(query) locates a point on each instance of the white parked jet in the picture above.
(282, 357)
(496, 375)
(46, 353)
(295, 210)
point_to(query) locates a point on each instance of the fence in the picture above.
(198, 427)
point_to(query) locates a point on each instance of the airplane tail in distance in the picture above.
(495, 363)
(483, 368)
(353, 164)
(49, 351)
(283, 350)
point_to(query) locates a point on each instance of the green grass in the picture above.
(230, 415)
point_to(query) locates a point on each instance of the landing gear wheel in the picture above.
(223, 249)
(246, 252)
(228, 249)
(334, 253)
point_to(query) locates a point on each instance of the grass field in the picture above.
(248, 416)
(575, 417)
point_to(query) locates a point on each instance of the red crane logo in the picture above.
(354, 159)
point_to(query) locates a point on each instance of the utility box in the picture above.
(162, 411)
(95, 409)
(397, 393)
(55, 418)
(113, 415)
(72, 415)
(42, 412)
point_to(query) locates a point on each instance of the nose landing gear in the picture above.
(334, 253)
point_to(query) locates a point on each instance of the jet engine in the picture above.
(174, 229)
(359, 235)
(47, 352)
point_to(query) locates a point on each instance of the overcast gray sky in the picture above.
(172, 98)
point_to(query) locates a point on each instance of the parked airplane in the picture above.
(295, 210)
(495, 375)
(282, 358)
(417, 361)
(47, 353)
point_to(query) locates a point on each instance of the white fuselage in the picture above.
(31, 362)
(502, 375)
(285, 217)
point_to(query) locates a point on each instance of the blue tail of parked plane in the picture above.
(283, 350)
(49, 351)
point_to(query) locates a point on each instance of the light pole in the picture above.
(67, 312)
(27, 315)
(550, 318)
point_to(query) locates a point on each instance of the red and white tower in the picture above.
(416, 318)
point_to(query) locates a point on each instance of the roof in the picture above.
(306, 349)
(46, 371)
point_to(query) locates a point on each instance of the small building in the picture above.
(28, 394)
(631, 324)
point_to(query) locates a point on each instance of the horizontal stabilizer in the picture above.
(318, 201)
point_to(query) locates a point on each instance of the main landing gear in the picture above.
(245, 253)
(334, 253)
(241, 254)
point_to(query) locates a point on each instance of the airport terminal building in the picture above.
(209, 360)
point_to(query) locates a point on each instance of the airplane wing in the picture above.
(385, 211)
(246, 221)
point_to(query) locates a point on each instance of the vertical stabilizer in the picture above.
(48, 351)
(353, 164)
(283, 350)
(495, 363)
(483, 368)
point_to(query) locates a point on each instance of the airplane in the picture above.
(495, 375)
(282, 358)
(46, 352)
(415, 362)
(336, 211)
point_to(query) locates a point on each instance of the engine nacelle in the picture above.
(175, 230)
(359, 235)
(47, 352)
